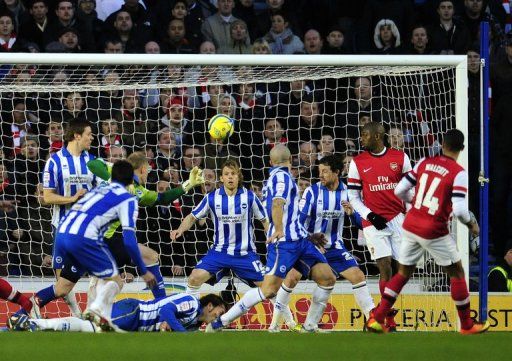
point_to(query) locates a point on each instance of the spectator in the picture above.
(448, 36)
(239, 42)
(419, 41)
(291, 97)
(216, 28)
(137, 11)
(14, 132)
(8, 39)
(309, 125)
(176, 119)
(475, 12)
(86, 14)
(28, 165)
(244, 10)
(313, 42)
(396, 138)
(192, 157)
(501, 73)
(210, 180)
(110, 136)
(216, 152)
(303, 184)
(474, 127)
(73, 107)
(116, 153)
(133, 38)
(113, 46)
(35, 29)
(261, 46)
(386, 37)
(176, 42)
(335, 42)
(69, 38)
(308, 156)
(136, 130)
(167, 153)
(192, 27)
(152, 47)
(263, 20)
(66, 19)
(500, 277)
(53, 140)
(281, 38)
(346, 165)
(207, 47)
(18, 11)
(326, 145)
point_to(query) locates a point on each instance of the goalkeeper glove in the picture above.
(195, 179)
(377, 220)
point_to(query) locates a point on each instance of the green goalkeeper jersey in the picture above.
(145, 197)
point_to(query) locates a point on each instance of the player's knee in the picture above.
(268, 292)
(356, 276)
(326, 279)
(149, 256)
(195, 279)
(63, 287)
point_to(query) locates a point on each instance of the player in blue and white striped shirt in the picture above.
(177, 313)
(322, 210)
(66, 179)
(232, 208)
(79, 238)
(288, 246)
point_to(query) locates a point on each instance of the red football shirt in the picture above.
(436, 181)
(377, 175)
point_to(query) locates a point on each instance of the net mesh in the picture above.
(164, 111)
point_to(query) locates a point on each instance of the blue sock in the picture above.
(159, 289)
(45, 296)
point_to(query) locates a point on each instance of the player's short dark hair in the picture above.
(333, 161)
(213, 299)
(375, 128)
(122, 172)
(76, 126)
(454, 140)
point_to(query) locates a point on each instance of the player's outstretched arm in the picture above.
(195, 179)
(100, 168)
(185, 225)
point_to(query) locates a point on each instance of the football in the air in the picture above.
(221, 126)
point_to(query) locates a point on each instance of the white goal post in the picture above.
(397, 79)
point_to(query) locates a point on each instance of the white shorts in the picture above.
(386, 242)
(443, 250)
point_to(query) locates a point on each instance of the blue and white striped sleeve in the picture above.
(306, 204)
(128, 211)
(281, 186)
(50, 175)
(258, 209)
(201, 210)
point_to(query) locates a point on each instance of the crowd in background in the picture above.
(314, 118)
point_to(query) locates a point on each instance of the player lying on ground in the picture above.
(232, 207)
(177, 313)
(79, 238)
(322, 210)
(288, 247)
(441, 186)
(114, 241)
(375, 173)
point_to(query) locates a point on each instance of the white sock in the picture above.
(106, 292)
(317, 307)
(363, 298)
(251, 298)
(193, 290)
(70, 300)
(281, 308)
(91, 291)
(69, 324)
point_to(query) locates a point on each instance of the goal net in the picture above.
(162, 104)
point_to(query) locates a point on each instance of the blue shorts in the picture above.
(301, 255)
(57, 256)
(340, 260)
(87, 255)
(125, 314)
(248, 268)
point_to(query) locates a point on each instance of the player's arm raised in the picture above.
(199, 212)
(354, 195)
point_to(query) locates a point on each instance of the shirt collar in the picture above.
(222, 191)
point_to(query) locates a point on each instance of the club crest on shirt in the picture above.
(394, 166)
(244, 205)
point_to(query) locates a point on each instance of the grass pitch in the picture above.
(259, 346)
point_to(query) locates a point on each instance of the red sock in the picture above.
(460, 296)
(7, 292)
(382, 286)
(393, 286)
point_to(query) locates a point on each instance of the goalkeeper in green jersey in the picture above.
(146, 198)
